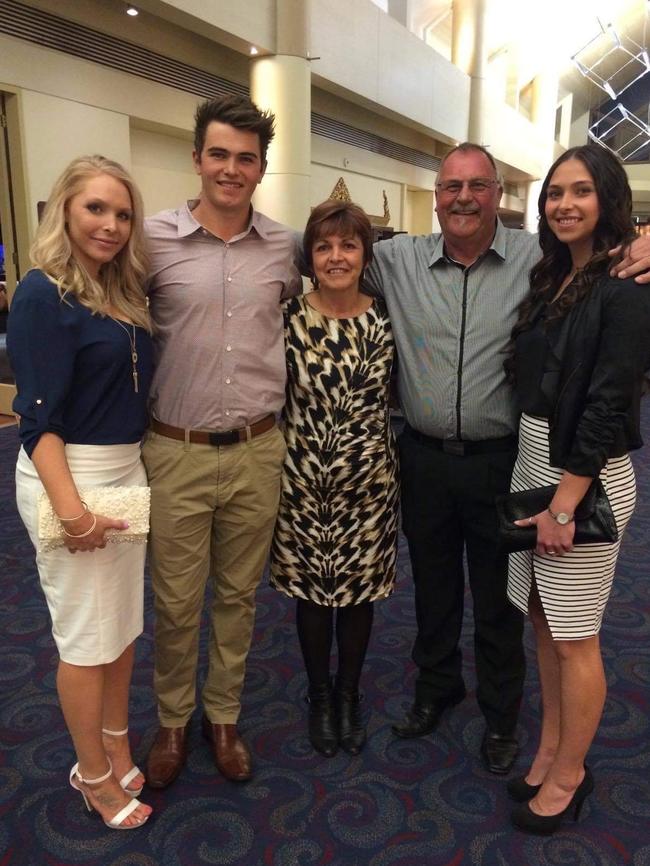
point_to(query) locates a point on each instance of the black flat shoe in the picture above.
(423, 718)
(323, 729)
(523, 817)
(499, 752)
(520, 791)
(352, 731)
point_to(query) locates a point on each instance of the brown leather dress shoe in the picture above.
(230, 752)
(167, 756)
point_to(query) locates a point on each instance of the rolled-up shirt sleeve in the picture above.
(42, 348)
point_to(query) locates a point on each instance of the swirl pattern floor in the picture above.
(422, 802)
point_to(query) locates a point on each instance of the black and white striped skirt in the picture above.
(573, 588)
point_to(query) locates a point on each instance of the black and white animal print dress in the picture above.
(335, 539)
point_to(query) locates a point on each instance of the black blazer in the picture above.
(603, 345)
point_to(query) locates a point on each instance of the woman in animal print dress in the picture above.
(335, 542)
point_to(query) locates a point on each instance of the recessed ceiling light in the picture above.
(132, 11)
(253, 50)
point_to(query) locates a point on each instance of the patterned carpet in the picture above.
(400, 803)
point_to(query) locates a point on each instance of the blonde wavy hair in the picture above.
(121, 281)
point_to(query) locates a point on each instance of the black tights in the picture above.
(315, 624)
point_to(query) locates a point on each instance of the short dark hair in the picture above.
(238, 111)
(470, 147)
(343, 218)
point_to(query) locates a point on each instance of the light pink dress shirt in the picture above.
(219, 328)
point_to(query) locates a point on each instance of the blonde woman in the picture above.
(80, 346)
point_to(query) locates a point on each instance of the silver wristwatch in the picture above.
(560, 517)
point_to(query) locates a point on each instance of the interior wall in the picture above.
(366, 174)
(364, 190)
(376, 60)
(30, 67)
(55, 130)
(418, 216)
(163, 169)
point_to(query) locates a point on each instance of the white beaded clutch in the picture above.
(121, 503)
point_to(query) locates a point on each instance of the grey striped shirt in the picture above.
(451, 326)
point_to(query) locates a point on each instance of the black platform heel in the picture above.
(520, 791)
(523, 818)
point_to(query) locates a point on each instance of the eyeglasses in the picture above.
(477, 186)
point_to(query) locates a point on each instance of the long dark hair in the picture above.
(614, 228)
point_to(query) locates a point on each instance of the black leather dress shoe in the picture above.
(499, 752)
(423, 718)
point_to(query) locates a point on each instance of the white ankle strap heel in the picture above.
(130, 775)
(115, 823)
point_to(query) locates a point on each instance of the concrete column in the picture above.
(399, 10)
(544, 102)
(542, 114)
(533, 190)
(282, 83)
(469, 53)
(566, 107)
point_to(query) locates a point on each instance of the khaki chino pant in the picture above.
(213, 510)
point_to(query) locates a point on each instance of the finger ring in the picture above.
(530, 521)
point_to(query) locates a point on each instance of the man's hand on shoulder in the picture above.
(636, 262)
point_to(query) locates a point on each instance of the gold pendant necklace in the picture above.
(134, 353)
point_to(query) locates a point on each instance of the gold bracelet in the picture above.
(83, 534)
(72, 519)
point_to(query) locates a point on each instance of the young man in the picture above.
(214, 453)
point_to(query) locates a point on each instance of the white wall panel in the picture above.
(373, 57)
(163, 169)
(57, 130)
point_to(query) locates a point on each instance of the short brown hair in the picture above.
(342, 218)
(238, 111)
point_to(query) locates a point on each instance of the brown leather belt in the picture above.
(205, 437)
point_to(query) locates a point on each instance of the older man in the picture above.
(452, 299)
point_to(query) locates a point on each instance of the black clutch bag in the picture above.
(594, 518)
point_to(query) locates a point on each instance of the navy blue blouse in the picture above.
(73, 369)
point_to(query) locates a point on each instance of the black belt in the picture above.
(464, 447)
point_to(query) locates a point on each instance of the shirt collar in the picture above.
(498, 246)
(188, 225)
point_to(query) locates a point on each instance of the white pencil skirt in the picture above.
(573, 588)
(95, 598)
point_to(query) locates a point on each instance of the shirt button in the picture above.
(39, 401)
(227, 411)
(229, 314)
(228, 348)
(230, 279)
(228, 381)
